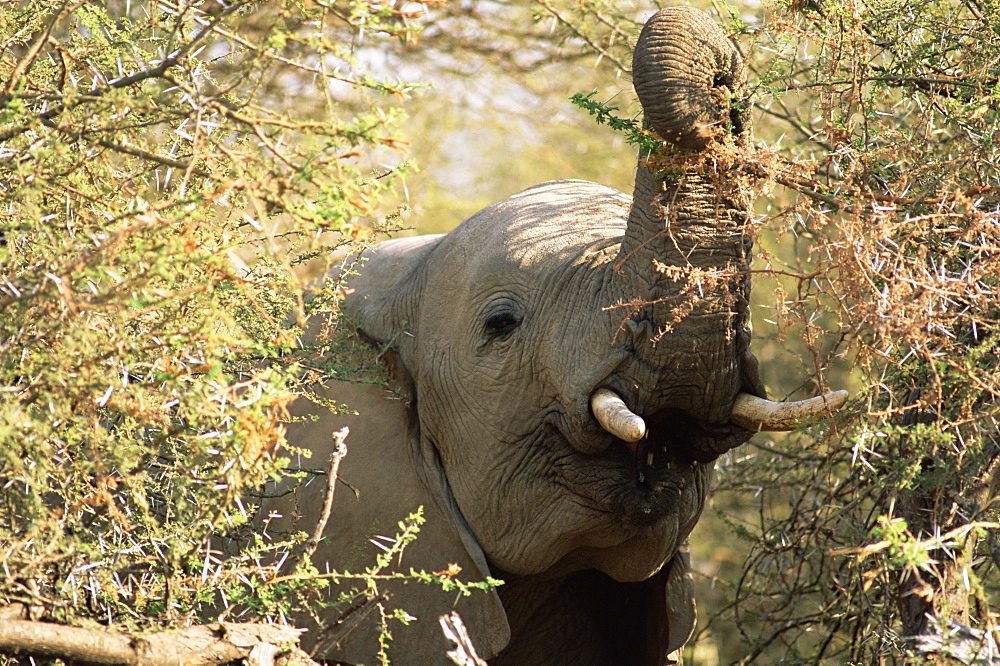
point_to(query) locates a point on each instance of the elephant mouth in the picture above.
(662, 476)
(673, 433)
(668, 467)
(661, 457)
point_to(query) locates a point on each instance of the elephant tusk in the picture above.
(762, 415)
(611, 412)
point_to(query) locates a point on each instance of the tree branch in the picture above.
(604, 53)
(205, 644)
(25, 63)
(170, 61)
(464, 652)
(150, 157)
(339, 451)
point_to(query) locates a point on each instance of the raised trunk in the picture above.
(684, 266)
(684, 260)
(690, 79)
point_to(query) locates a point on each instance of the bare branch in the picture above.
(339, 451)
(574, 27)
(206, 644)
(146, 155)
(464, 652)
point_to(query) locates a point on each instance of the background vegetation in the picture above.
(163, 200)
(172, 174)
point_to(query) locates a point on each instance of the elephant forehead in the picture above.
(556, 222)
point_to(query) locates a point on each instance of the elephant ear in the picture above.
(380, 484)
(383, 299)
(678, 596)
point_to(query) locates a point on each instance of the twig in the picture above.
(157, 71)
(464, 652)
(29, 58)
(579, 33)
(879, 198)
(151, 157)
(337, 455)
(812, 194)
(362, 607)
(807, 133)
(994, 547)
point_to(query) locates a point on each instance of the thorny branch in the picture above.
(209, 645)
(97, 91)
(572, 26)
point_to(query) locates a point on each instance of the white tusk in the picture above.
(611, 412)
(762, 415)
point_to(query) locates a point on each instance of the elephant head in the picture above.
(570, 359)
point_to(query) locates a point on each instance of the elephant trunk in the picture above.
(690, 79)
(683, 266)
(684, 260)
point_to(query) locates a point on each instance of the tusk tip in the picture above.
(634, 433)
(760, 415)
(612, 414)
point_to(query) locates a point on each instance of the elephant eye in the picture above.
(501, 323)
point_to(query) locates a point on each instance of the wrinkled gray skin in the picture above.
(498, 333)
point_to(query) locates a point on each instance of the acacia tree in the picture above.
(156, 213)
(875, 539)
(172, 176)
(172, 173)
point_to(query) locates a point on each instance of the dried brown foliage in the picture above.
(880, 265)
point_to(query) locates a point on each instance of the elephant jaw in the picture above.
(749, 412)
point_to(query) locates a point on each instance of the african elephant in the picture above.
(568, 363)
